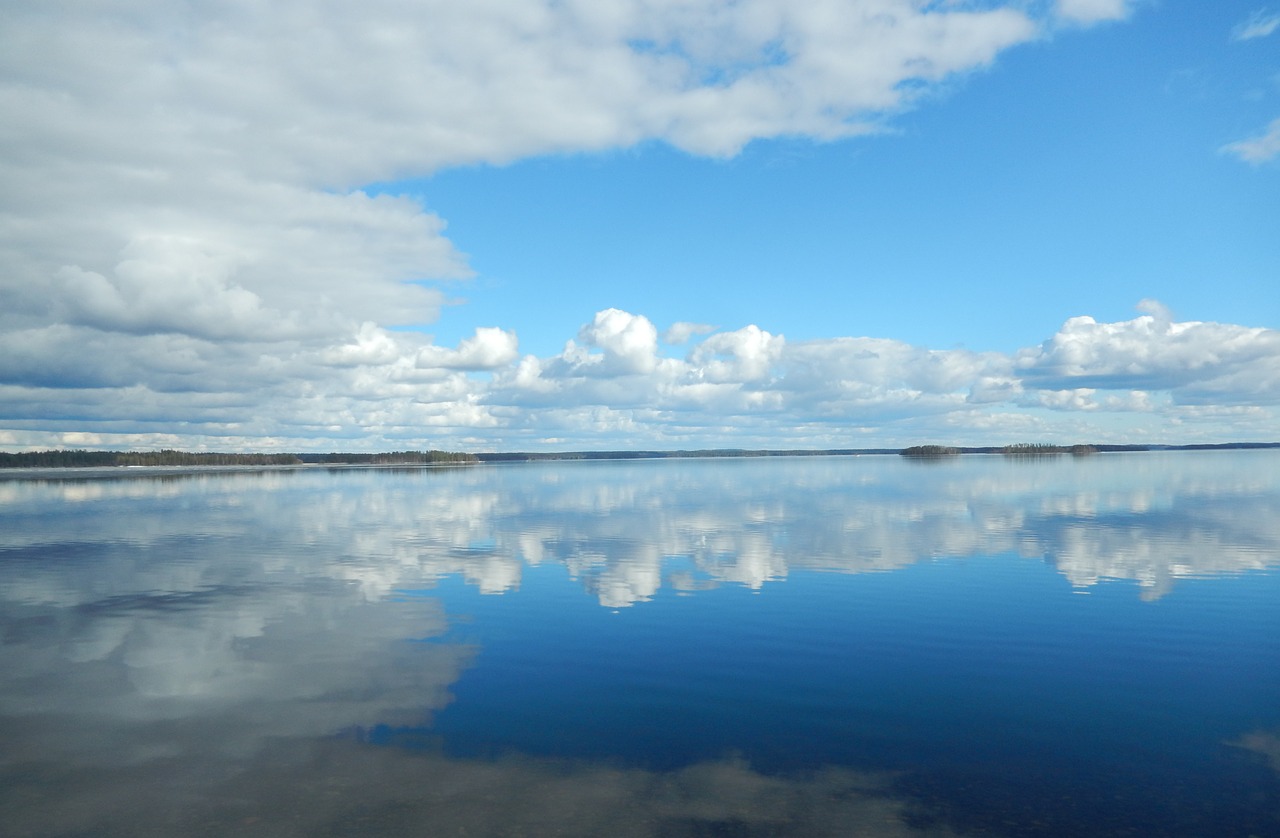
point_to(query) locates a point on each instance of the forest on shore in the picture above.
(77, 458)
(109, 459)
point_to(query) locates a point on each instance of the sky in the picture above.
(638, 224)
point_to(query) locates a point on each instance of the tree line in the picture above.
(1018, 449)
(1034, 449)
(387, 458)
(78, 458)
(107, 459)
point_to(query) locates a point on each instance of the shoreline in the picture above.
(29, 463)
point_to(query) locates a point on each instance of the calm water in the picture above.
(809, 646)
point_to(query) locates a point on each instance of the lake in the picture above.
(687, 647)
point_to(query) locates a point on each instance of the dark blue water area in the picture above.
(1005, 701)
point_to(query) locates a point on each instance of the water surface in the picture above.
(807, 646)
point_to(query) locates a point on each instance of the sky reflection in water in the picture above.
(680, 647)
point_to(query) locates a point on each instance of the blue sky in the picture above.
(492, 226)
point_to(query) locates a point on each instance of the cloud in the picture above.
(749, 373)
(1259, 25)
(488, 349)
(1257, 150)
(1158, 310)
(613, 387)
(741, 356)
(369, 346)
(678, 333)
(1092, 11)
(167, 285)
(628, 342)
(1190, 359)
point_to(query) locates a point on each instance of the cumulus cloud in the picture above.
(369, 346)
(1257, 149)
(612, 386)
(747, 354)
(489, 348)
(1235, 363)
(762, 380)
(628, 341)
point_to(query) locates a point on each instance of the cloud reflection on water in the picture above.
(226, 640)
(619, 528)
(332, 787)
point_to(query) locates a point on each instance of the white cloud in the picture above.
(745, 355)
(1235, 364)
(1259, 25)
(1080, 398)
(1258, 149)
(370, 346)
(611, 387)
(679, 333)
(1093, 11)
(1158, 310)
(629, 343)
(489, 348)
(1137, 401)
(167, 285)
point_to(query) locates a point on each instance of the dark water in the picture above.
(809, 646)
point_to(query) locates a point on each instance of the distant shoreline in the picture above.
(82, 459)
(520, 456)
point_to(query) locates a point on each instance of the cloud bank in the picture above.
(614, 385)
